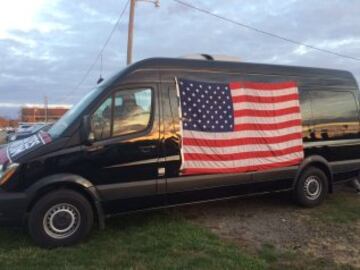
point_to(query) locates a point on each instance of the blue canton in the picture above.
(206, 106)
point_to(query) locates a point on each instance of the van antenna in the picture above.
(101, 69)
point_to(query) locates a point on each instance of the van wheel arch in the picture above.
(90, 193)
(317, 162)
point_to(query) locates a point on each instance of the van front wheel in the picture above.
(60, 218)
(311, 188)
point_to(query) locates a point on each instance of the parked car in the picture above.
(25, 132)
(121, 148)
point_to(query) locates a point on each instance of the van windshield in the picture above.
(63, 123)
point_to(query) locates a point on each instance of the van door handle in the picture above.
(147, 148)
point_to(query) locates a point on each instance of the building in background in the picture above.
(32, 114)
(5, 122)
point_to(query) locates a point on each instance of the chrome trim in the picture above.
(146, 161)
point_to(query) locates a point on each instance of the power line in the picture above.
(91, 67)
(263, 31)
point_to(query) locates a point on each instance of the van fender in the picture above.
(72, 181)
(316, 161)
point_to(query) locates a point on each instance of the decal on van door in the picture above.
(240, 126)
(14, 149)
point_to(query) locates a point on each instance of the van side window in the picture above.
(132, 111)
(101, 120)
(335, 115)
(125, 112)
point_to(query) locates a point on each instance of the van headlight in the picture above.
(7, 171)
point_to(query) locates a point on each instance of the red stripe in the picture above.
(262, 86)
(244, 155)
(241, 141)
(259, 99)
(241, 169)
(266, 113)
(256, 126)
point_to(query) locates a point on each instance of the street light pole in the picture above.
(131, 26)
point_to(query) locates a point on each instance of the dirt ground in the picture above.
(321, 232)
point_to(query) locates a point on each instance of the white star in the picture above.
(200, 85)
(197, 90)
(191, 85)
(181, 83)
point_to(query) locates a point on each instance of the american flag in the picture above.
(239, 127)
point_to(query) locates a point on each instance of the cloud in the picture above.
(47, 46)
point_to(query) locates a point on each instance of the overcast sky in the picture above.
(46, 46)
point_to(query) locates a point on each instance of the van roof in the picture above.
(256, 68)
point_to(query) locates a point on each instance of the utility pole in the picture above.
(46, 108)
(131, 26)
(130, 32)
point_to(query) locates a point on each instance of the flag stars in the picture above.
(208, 106)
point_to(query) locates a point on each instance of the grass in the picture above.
(342, 208)
(164, 240)
(152, 241)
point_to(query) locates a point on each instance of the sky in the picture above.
(46, 46)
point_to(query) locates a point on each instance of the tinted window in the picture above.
(335, 115)
(126, 112)
(132, 111)
(101, 120)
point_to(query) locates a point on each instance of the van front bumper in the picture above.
(13, 206)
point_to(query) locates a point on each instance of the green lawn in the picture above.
(148, 241)
(166, 240)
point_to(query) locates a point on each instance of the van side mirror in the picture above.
(88, 136)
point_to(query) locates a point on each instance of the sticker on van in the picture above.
(239, 126)
(16, 148)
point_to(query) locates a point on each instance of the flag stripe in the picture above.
(233, 149)
(259, 99)
(269, 120)
(241, 134)
(242, 155)
(255, 126)
(267, 113)
(262, 86)
(258, 92)
(242, 162)
(266, 106)
(206, 170)
(241, 141)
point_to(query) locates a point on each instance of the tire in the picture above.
(312, 187)
(60, 218)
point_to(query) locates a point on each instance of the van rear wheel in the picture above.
(311, 188)
(60, 218)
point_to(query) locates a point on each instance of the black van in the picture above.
(90, 165)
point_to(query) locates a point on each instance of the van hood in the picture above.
(14, 150)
